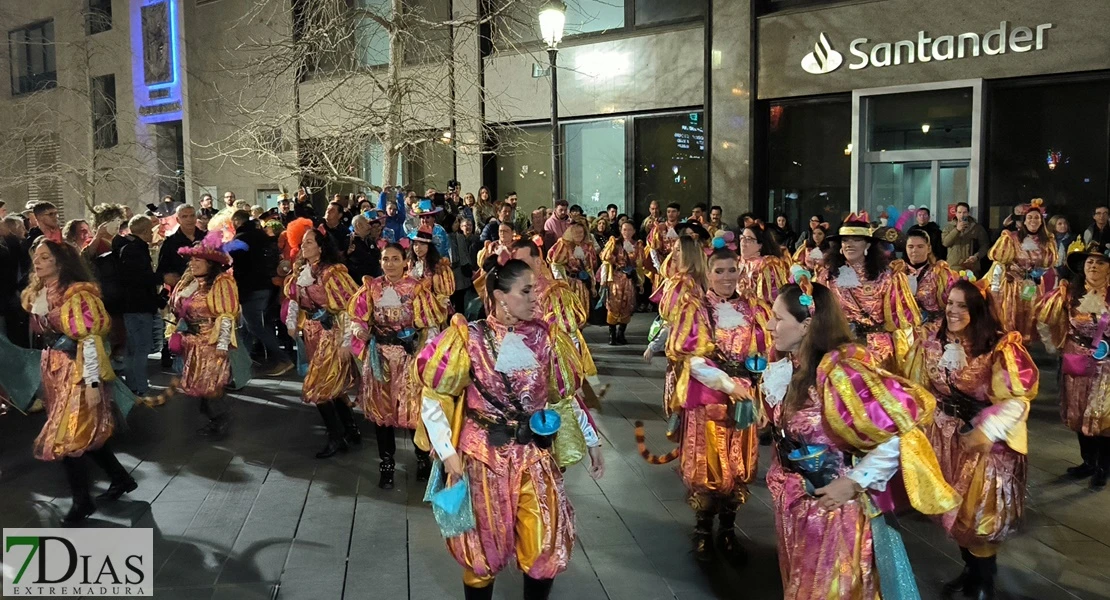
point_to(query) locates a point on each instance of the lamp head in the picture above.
(553, 17)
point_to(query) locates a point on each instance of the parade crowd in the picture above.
(888, 365)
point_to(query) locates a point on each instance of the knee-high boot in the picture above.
(1098, 479)
(985, 569)
(703, 536)
(423, 461)
(1088, 450)
(77, 476)
(478, 593)
(347, 418)
(621, 340)
(387, 446)
(122, 482)
(537, 589)
(727, 544)
(336, 443)
(968, 581)
(612, 335)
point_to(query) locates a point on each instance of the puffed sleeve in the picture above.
(865, 406)
(338, 288)
(1005, 250)
(690, 334)
(899, 307)
(799, 257)
(442, 369)
(1015, 380)
(223, 301)
(361, 308)
(85, 320)
(914, 367)
(557, 257)
(946, 278)
(1053, 317)
(443, 280)
(291, 309)
(773, 275)
(567, 371)
(608, 258)
(427, 310)
(567, 312)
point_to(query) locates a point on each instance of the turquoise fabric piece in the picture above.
(240, 361)
(896, 580)
(21, 376)
(124, 398)
(451, 506)
(302, 358)
(375, 357)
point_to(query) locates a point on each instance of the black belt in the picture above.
(392, 339)
(502, 431)
(928, 316)
(960, 406)
(860, 329)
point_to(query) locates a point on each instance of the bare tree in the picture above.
(384, 71)
(64, 135)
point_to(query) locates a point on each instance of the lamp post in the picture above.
(552, 19)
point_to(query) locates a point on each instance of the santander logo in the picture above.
(823, 59)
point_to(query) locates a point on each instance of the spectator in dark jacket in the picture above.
(926, 224)
(254, 269)
(141, 301)
(335, 228)
(364, 258)
(171, 265)
(504, 213)
(464, 246)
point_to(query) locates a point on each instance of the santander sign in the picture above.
(824, 59)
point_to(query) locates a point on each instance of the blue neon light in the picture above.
(173, 46)
(140, 89)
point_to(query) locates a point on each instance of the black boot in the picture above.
(537, 589)
(703, 537)
(1088, 450)
(385, 473)
(1098, 478)
(336, 443)
(621, 341)
(476, 593)
(423, 465)
(967, 582)
(612, 335)
(727, 544)
(122, 482)
(985, 569)
(78, 479)
(347, 418)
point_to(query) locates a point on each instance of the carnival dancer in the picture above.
(486, 386)
(716, 336)
(622, 275)
(1075, 318)
(1021, 258)
(763, 268)
(874, 293)
(660, 241)
(206, 304)
(426, 264)
(928, 277)
(811, 253)
(77, 380)
(389, 315)
(843, 428)
(574, 261)
(318, 292)
(983, 380)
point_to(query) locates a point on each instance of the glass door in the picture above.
(897, 189)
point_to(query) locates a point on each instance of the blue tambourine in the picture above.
(584, 275)
(756, 364)
(545, 422)
(1102, 351)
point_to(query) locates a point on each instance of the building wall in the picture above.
(1077, 41)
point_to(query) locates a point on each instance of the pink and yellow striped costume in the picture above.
(330, 366)
(206, 369)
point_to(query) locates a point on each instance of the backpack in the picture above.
(109, 273)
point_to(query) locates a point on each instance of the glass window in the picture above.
(1049, 141)
(588, 16)
(427, 43)
(104, 111)
(371, 41)
(670, 161)
(809, 168)
(99, 17)
(32, 65)
(523, 164)
(659, 11)
(518, 20)
(372, 165)
(430, 164)
(593, 158)
(934, 119)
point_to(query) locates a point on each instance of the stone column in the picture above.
(729, 106)
(468, 98)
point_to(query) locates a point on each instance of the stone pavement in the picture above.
(256, 516)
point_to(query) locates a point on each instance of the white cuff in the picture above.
(291, 316)
(710, 376)
(998, 425)
(224, 339)
(432, 332)
(91, 367)
(878, 466)
(1046, 337)
(660, 342)
(605, 270)
(439, 429)
(348, 332)
(656, 260)
(588, 431)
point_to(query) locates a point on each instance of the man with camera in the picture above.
(966, 240)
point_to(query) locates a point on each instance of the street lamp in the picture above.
(552, 18)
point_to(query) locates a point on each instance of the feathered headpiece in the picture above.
(213, 248)
(802, 277)
(294, 233)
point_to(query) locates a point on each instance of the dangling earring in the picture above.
(504, 307)
(865, 250)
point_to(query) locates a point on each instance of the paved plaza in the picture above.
(256, 516)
